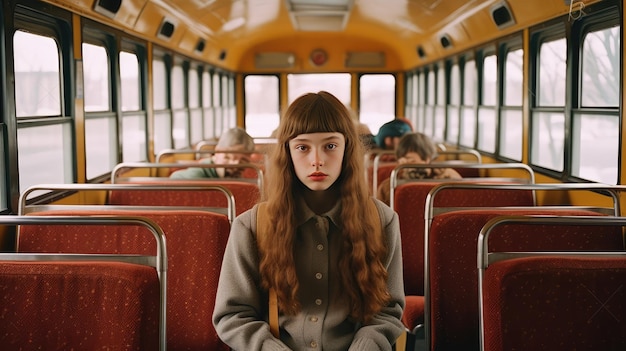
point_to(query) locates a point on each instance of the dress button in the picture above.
(318, 301)
(313, 344)
(320, 247)
(318, 275)
(313, 319)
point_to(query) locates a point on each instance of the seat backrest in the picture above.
(82, 301)
(139, 195)
(562, 302)
(246, 194)
(246, 191)
(379, 165)
(563, 299)
(452, 278)
(251, 172)
(383, 172)
(410, 202)
(462, 157)
(126, 171)
(196, 242)
(78, 306)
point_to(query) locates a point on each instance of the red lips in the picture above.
(318, 176)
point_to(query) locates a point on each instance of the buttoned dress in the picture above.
(240, 315)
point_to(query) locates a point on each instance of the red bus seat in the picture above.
(78, 306)
(452, 278)
(196, 242)
(564, 303)
(245, 194)
(410, 206)
(82, 301)
(410, 202)
(560, 301)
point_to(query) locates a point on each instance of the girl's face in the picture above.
(415, 173)
(317, 158)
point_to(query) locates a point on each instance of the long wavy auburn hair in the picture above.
(362, 273)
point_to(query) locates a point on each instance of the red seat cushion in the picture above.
(453, 271)
(413, 311)
(555, 303)
(78, 306)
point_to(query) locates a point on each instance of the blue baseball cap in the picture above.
(394, 128)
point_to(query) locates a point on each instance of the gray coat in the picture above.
(241, 306)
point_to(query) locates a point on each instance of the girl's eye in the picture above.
(331, 146)
(301, 148)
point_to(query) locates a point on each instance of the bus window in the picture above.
(596, 125)
(162, 119)
(134, 142)
(420, 124)
(548, 120)
(37, 75)
(217, 105)
(511, 125)
(468, 111)
(228, 117)
(129, 77)
(42, 143)
(207, 106)
(262, 105)
(452, 125)
(412, 98)
(180, 126)
(377, 100)
(96, 79)
(100, 121)
(487, 108)
(337, 84)
(429, 107)
(440, 104)
(195, 112)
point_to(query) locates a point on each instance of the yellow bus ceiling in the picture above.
(240, 29)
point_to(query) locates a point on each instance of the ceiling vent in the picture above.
(107, 7)
(501, 15)
(274, 60)
(319, 15)
(365, 59)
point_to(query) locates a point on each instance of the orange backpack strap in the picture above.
(274, 313)
(262, 228)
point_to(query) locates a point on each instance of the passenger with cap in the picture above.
(390, 133)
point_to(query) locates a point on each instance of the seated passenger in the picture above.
(390, 133)
(234, 139)
(416, 148)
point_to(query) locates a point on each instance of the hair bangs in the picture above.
(315, 113)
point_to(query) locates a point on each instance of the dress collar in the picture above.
(304, 213)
